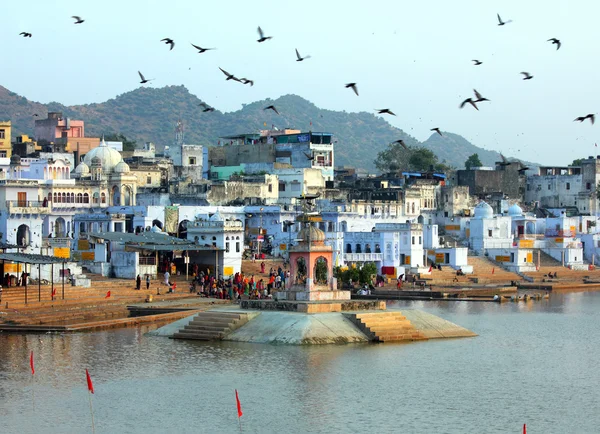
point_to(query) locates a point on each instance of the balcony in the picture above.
(28, 207)
(363, 257)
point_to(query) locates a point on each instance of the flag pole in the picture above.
(90, 387)
(92, 413)
(31, 364)
(239, 409)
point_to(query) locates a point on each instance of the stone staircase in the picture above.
(386, 326)
(211, 326)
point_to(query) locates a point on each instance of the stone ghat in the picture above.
(313, 306)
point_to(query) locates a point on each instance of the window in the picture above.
(489, 232)
(282, 186)
(227, 247)
(568, 185)
(445, 213)
(377, 248)
(270, 188)
(588, 186)
(549, 186)
(358, 248)
(148, 180)
(2, 134)
(413, 240)
(3, 154)
(103, 198)
(86, 199)
(192, 161)
(237, 246)
(349, 247)
(420, 240)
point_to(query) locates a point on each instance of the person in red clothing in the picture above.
(262, 268)
(270, 284)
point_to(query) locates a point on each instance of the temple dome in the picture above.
(515, 211)
(82, 169)
(483, 211)
(122, 167)
(216, 217)
(109, 158)
(312, 234)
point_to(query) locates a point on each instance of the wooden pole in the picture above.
(63, 280)
(92, 413)
(52, 280)
(39, 282)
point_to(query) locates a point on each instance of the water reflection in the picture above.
(534, 362)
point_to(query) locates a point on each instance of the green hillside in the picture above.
(150, 114)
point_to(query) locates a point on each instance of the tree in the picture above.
(398, 158)
(473, 161)
(577, 162)
(128, 145)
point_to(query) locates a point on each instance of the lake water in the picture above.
(534, 363)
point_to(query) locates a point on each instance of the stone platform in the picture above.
(303, 295)
(313, 306)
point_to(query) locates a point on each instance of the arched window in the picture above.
(79, 198)
(82, 227)
(103, 197)
(348, 248)
(413, 207)
(55, 198)
(64, 198)
(358, 248)
(377, 248)
(72, 197)
(86, 198)
(321, 271)
(23, 236)
(95, 198)
(126, 196)
(368, 248)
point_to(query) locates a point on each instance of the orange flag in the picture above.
(239, 406)
(107, 295)
(89, 381)
(31, 363)
(493, 269)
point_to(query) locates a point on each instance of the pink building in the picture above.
(56, 127)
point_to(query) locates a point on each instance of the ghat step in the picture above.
(386, 326)
(210, 326)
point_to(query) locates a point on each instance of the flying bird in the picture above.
(555, 41)
(271, 107)
(169, 41)
(262, 38)
(437, 130)
(401, 143)
(308, 156)
(469, 101)
(589, 116)
(477, 62)
(206, 107)
(200, 49)
(501, 23)
(77, 19)
(353, 87)
(385, 112)
(299, 57)
(25, 34)
(480, 98)
(247, 81)
(229, 76)
(527, 76)
(144, 79)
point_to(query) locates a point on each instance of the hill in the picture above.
(150, 114)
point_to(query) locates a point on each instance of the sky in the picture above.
(414, 58)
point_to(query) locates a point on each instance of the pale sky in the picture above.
(412, 57)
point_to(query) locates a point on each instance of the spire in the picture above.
(102, 142)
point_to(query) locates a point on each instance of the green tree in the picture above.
(577, 162)
(394, 157)
(128, 145)
(473, 161)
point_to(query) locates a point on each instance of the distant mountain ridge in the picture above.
(149, 114)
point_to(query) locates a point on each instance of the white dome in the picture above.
(515, 211)
(483, 211)
(216, 217)
(122, 167)
(82, 169)
(108, 157)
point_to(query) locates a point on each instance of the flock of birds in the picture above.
(262, 38)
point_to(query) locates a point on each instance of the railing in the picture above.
(28, 206)
(151, 260)
(363, 257)
(559, 233)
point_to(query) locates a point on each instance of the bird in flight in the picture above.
(299, 57)
(144, 79)
(353, 87)
(77, 19)
(247, 81)
(25, 34)
(271, 107)
(401, 143)
(527, 76)
(169, 41)
(589, 116)
(477, 62)
(385, 112)
(437, 130)
(480, 98)
(262, 38)
(469, 101)
(555, 41)
(309, 157)
(229, 76)
(206, 107)
(501, 23)
(202, 50)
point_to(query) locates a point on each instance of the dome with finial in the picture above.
(216, 217)
(483, 211)
(312, 234)
(82, 169)
(515, 211)
(122, 167)
(108, 157)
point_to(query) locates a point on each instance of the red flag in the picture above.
(31, 363)
(89, 381)
(524, 428)
(430, 268)
(493, 269)
(107, 295)
(239, 406)
(54, 293)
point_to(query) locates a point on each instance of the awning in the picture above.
(32, 259)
